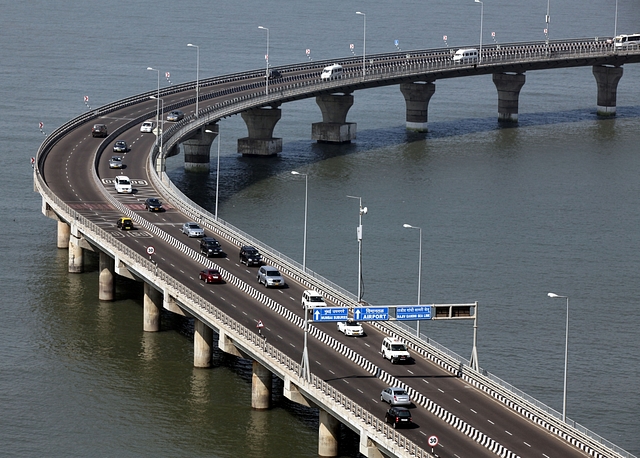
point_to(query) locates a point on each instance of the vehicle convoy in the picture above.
(210, 247)
(394, 350)
(192, 229)
(350, 328)
(270, 277)
(250, 256)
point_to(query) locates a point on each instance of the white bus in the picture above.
(627, 41)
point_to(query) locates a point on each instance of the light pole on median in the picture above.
(158, 129)
(157, 99)
(419, 272)
(215, 214)
(481, 19)
(566, 354)
(363, 211)
(364, 42)
(547, 17)
(306, 200)
(197, 74)
(615, 22)
(266, 57)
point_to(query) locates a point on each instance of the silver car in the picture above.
(270, 276)
(395, 396)
(192, 230)
(175, 115)
(115, 162)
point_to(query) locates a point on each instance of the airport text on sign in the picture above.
(371, 313)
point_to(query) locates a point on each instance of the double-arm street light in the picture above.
(481, 19)
(419, 272)
(566, 354)
(266, 57)
(364, 41)
(197, 74)
(157, 97)
(306, 194)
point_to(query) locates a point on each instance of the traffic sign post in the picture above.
(420, 312)
(433, 442)
(327, 314)
(371, 313)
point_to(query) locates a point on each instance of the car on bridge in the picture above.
(115, 162)
(123, 184)
(211, 276)
(147, 126)
(250, 256)
(398, 416)
(192, 229)
(312, 298)
(175, 115)
(124, 223)
(270, 277)
(394, 350)
(395, 396)
(120, 146)
(210, 247)
(153, 204)
(99, 130)
(350, 328)
(273, 74)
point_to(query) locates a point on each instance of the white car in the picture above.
(192, 230)
(147, 126)
(394, 350)
(350, 328)
(312, 298)
(123, 185)
(395, 396)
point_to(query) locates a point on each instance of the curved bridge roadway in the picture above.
(70, 157)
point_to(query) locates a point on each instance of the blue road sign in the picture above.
(371, 313)
(330, 314)
(418, 312)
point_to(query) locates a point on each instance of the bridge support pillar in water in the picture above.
(151, 308)
(197, 149)
(334, 127)
(328, 434)
(607, 79)
(508, 85)
(202, 344)
(260, 387)
(260, 125)
(76, 255)
(64, 232)
(416, 97)
(107, 283)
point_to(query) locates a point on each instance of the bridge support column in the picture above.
(260, 387)
(76, 257)
(508, 85)
(151, 308)
(64, 232)
(202, 344)
(328, 434)
(334, 128)
(368, 448)
(107, 284)
(607, 79)
(416, 97)
(260, 125)
(197, 149)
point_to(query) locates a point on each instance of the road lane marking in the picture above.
(491, 422)
(473, 411)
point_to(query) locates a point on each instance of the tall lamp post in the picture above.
(363, 211)
(157, 99)
(160, 116)
(419, 272)
(566, 354)
(364, 41)
(306, 200)
(215, 215)
(615, 22)
(266, 58)
(547, 17)
(481, 19)
(197, 74)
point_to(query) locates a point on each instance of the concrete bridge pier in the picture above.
(260, 387)
(64, 232)
(76, 255)
(261, 123)
(151, 308)
(508, 85)
(416, 97)
(107, 283)
(607, 79)
(328, 434)
(197, 149)
(202, 344)
(334, 127)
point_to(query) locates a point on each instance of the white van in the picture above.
(331, 72)
(466, 56)
(311, 299)
(123, 184)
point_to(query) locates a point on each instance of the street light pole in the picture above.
(363, 211)
(364, 42)
(481, 19)
(547, 20)
(419, 272)
(215, 215)
(615, 22)
(197, 74)
(566, 355)
(266, 57)
(158, 129)
(306, 194)
(158, 100)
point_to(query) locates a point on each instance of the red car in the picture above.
(211, 276)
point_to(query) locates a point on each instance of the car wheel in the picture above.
(382, 399)
(394, 425)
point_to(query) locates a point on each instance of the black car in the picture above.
(99, 130)
(274, 74)
(250, 256)
(210, 247)
(153, 204)
(398, 416)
